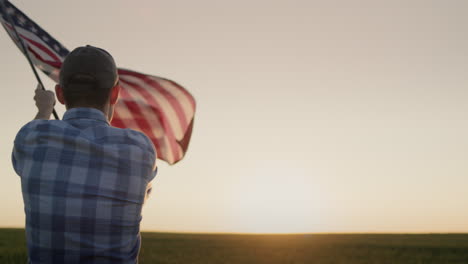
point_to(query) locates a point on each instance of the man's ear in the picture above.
(114, 94)
(59, 93)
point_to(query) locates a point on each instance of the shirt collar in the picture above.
(85, 113)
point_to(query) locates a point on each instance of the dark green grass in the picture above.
(288, 249)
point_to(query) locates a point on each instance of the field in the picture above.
(288, 249)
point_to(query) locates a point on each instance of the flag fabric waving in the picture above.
(158, 107)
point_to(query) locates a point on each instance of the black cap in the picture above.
(93, 64)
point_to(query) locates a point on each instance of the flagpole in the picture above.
(25, 51)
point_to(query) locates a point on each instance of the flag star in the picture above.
(56, 48)
(45, 38)
(10, 11)
(34, 29)
(21, 20)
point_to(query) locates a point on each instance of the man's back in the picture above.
(84, 184)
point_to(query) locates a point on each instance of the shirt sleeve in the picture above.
(149, 187)
(147, 159)
(154, 169)
(153, 156)
(14, 160)
(18, 154)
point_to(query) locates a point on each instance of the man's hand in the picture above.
(45, 101)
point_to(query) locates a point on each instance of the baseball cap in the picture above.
(90, 65)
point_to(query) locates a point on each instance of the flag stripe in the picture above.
(124, 117)
(54, 58)
(127, 94)
(33, 39)
(51, 68)
(186, 100)
(138, 116)
(159, 100)
(184, 91)
(169, 97)
(171, 144)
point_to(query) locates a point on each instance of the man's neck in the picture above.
(106, 109)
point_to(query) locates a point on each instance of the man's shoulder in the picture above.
(134, 137)
(38, 126)
(105, 133)
(41, 123)
(134, 142)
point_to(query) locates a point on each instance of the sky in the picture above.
(312, 116)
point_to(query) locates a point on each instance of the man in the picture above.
(84, 182)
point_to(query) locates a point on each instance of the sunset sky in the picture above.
(312, 116)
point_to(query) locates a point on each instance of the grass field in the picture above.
(287, 249)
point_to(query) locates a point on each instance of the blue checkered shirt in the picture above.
(84, 183)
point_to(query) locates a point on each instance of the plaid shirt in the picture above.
(84, 184)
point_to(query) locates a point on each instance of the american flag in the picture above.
(158, 107)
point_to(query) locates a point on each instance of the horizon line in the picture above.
(182, 232)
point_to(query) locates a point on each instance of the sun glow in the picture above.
(279, 200)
